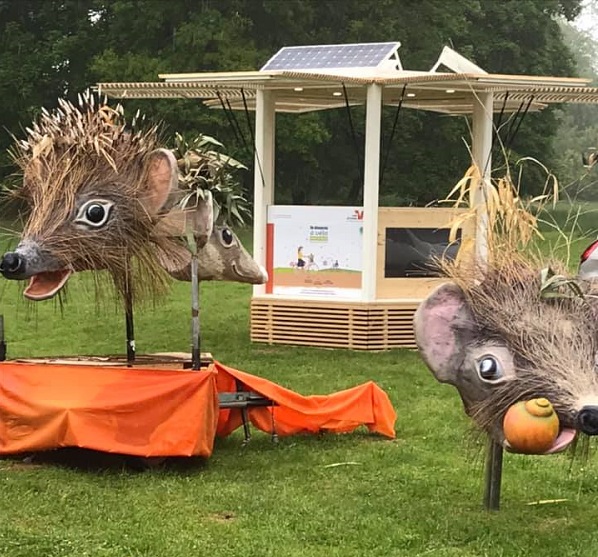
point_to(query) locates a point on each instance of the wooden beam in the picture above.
(371, 183)
(263, 179)
(481, 151)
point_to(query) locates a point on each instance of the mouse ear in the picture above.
(162, 178)
(439, 322)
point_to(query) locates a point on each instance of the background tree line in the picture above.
(52, 48)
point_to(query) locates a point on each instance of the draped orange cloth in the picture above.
(156, 412)
(339, 412)
(142, 412)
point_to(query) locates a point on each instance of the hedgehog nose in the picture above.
(11, 264)
(587, 420)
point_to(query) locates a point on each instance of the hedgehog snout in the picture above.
(11, 264)
(587, 420)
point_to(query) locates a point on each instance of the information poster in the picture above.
(316, 251)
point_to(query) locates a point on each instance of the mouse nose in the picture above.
(11, 264)
(587, 420)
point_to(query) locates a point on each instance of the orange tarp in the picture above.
(141, 412)
(149, 412)
(339, 412)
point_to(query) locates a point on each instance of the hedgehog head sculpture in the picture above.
(98, 193)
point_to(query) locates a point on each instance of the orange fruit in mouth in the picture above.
(531, 427)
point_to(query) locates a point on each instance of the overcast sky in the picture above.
(588, 19)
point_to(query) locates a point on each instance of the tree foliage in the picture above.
(578, 124)
(50, 48)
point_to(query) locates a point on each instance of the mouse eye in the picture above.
(94, 213)
(227, 237)
(489, 368)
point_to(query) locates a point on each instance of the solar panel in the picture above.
(361, 55)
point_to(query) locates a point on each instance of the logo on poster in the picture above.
(318, 234)
(356, 215)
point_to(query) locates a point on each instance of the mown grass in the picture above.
(420, 494)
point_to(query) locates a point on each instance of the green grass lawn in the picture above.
(420, 494)
(575, 225)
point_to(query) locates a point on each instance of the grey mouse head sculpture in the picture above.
(499, 342)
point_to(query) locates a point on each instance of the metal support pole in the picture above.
(195, 328)
(195, 325)
(482, 156)
(494, 456)
(263, 181)
(130, 329)
(2, 341)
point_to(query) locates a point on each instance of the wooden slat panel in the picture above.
(377, 325)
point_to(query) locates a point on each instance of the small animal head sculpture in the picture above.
(103, 196)
(499, 341)
(224, 258)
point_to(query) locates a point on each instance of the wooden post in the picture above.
(371, 177)
(494, 456)
(263, 180)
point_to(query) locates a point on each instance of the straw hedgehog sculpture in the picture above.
(103, 196)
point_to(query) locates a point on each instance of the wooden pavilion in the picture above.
(338, 275)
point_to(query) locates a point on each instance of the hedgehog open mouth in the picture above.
(564, 439)
(47, 284)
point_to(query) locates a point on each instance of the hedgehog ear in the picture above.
(440, 323)
(162, 179)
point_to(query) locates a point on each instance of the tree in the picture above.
(45, 50)
(578, 124)
(527, 39)
(69, 44)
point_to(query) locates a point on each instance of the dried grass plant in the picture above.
(497, 208)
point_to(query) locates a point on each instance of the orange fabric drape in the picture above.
(339, 412)
(142, 412)
(150, 412)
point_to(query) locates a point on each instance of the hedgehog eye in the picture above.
(227, 237)
(94, 213)
(489, 368)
